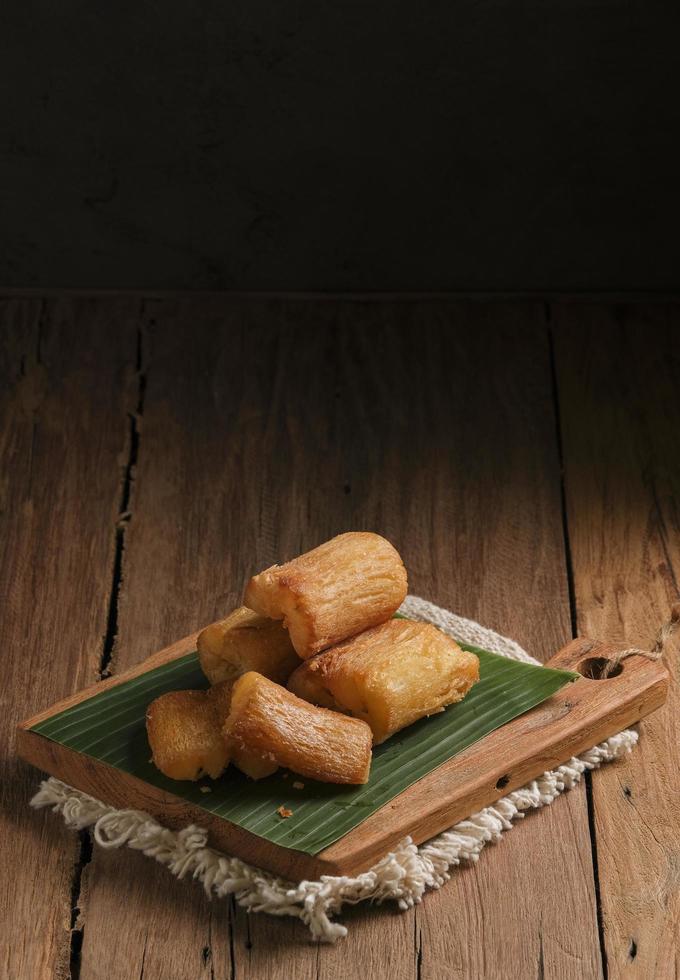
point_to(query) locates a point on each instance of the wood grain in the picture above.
(65, 394)
(269, 426)
(474, 473)
(210, 504)
(570, 722)
(617, 371)
(139, 920)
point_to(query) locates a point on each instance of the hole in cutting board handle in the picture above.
(594, 669)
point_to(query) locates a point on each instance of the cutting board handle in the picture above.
(593, 659)
(577, 717)
(574, 719)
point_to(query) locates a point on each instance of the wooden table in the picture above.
(522, 457)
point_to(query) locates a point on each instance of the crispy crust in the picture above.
(390, 676)
(281, 728)
(246, 641)
(184, 731)
(349, 584)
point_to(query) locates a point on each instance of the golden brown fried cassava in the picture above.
(245, 641)
(390, 676)
(268, 720)
(347, 585)
(185, 732)
(252, 763)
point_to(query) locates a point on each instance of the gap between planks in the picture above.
(133, 445)
(131, 455)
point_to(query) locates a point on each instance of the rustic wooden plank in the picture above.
(270, 426)
(580, 715)
(330, 452)
(65, 391)
(617, 371)
(480, 525)
(198, 526)
(139, 920)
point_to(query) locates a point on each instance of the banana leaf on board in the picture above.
(111, 727)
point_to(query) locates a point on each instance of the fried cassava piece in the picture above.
(246, 641)
(185, 732)
(267, 720)
(390, 676)
(347, 585)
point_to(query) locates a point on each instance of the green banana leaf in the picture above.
(110, 727)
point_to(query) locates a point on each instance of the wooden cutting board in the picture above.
(571, 721)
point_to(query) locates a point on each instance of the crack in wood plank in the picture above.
(201, 487)
(65, 374)
(131, 450)
(77, 909)
(125, 514)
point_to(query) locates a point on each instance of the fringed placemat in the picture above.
(402, 875)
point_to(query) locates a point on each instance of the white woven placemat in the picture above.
(403, 875)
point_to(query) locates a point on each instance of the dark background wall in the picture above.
(373, 145)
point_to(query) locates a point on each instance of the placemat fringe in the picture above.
(402, 876)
